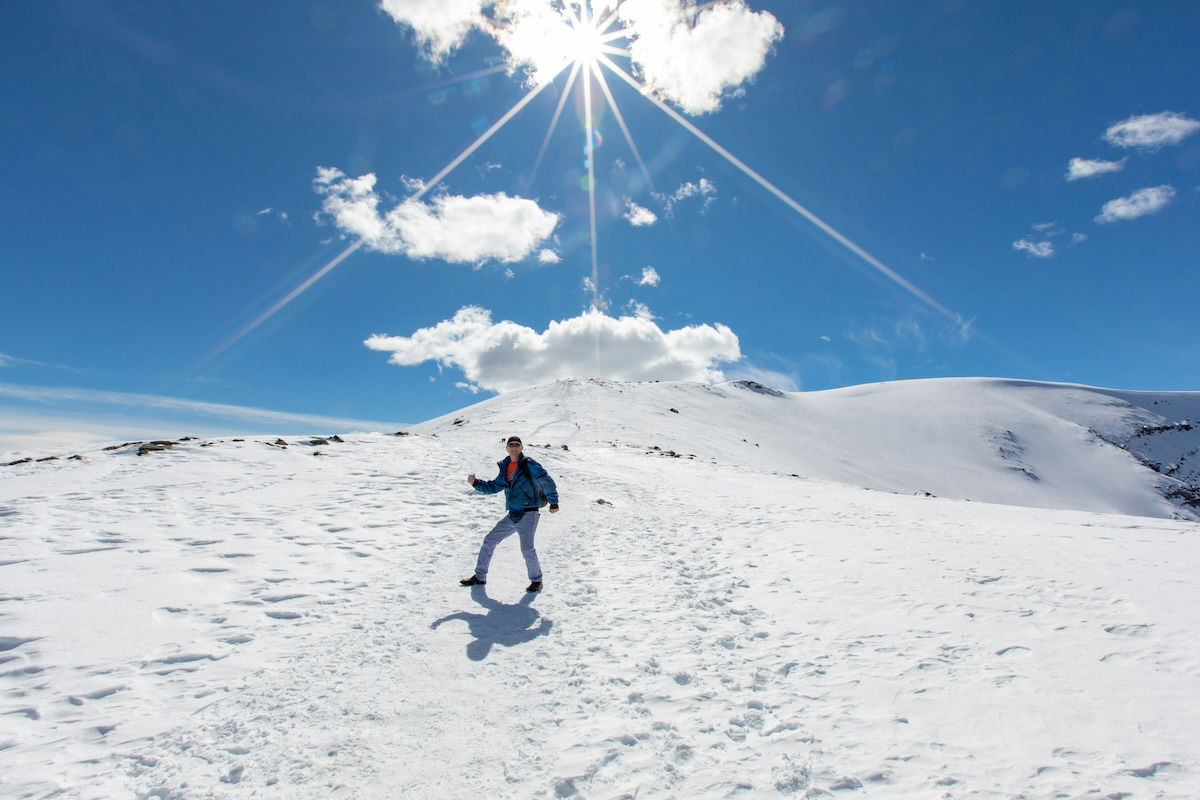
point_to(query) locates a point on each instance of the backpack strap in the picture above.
(538, 493)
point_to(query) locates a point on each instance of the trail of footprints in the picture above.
(661, 709)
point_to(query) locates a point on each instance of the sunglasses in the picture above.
(514, 444)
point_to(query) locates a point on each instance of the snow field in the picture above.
(240, 621)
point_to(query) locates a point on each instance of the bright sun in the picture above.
(587, 41)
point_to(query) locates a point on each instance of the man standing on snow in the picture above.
(527, 486)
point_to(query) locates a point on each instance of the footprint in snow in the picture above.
(1014, 650)
(1128, 630)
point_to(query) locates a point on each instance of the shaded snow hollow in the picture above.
(738, 618)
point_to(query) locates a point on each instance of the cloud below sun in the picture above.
(452, 228)
(503, 356)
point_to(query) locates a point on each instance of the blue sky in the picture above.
(174, 172)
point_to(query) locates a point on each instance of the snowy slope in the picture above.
(247, 621)
(1002, 441)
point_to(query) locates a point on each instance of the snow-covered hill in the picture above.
(243, 619)
(1002, 441)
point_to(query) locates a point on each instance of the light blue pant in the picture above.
(525, 527)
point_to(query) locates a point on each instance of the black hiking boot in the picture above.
(535, 586)
(472, 581)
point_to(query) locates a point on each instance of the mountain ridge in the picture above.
(1012, 441)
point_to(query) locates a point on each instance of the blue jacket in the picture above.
(522, 493)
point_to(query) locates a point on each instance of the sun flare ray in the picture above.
(590, 151)
(338, 259)
(562, 101)
(324, 270)
(497, 125)
(612, 103)
(828, 229)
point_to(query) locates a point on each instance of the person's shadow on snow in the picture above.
(503, 624)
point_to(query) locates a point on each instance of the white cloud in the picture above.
(638, 216)
(282, 216)
(532, 31)
(640, 310)
(1042, 242)
(910, 332)
(650, 277)
(701, 188)
(439, 25)
(962, 331)
(1079, 168)
(1139, 204)
(695, 58)
(548, 256)
(67, 416)
(1151, 131)
(450, 227)
(7, 360)
(502, 356)
(1035, 249)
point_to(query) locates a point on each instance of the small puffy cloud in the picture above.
(701, 188)
(1044, 241)
(640, 310)
(1035, 249)
(638, 216)
(1151, 131)
(450, 227)
(693, 58)
(502, 356)
(548, 256)
(650, 277)
(1079, 168)
(439, 25)
(1142, 202)
(282, 216)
